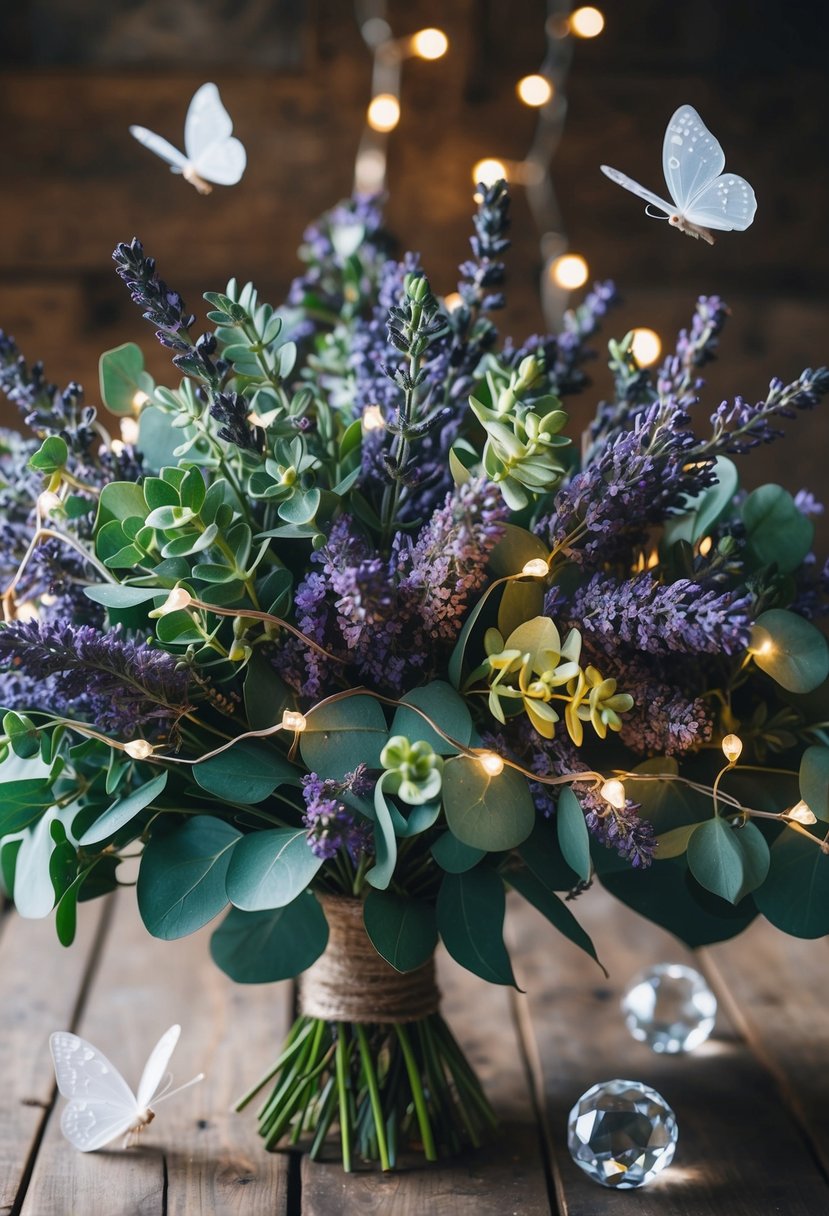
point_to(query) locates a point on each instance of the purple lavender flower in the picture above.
(739, 426)
(658, 618)
(162, 306)
(115, 683)
(332, 826)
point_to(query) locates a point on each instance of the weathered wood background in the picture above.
(74, 182)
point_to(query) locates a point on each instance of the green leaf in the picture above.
(263, 947)
(730, 862)
(674, 843)
(702, 512)
(123, 811)
(470, 917)
(795, 895)
(814, 780)
(181, 883)
(453, 855)
(541, 853)
(120, 500)
(552, 909)
(515, 548)
(490, 813)
(338, 736)
(121, 375)
(116, 595)
(266, 696)
(669, 896)
(444, 706)
(269, 869)
(777, 531)
(790, 649)
(402, 930)
(158, 439)
(300, 508)
(521, 601)
(22, 733)
(573, 836)
(248, 772)
(385, 841)
(51, 456)
(34, 889)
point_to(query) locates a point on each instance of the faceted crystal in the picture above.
(670, 1007)
(622, 1133)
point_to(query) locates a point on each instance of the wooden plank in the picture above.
(739, 1150)
(776, 990)
(41, 984)
(505, 1176)
(197, 1156)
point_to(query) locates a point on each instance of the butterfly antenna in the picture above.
(169, 1093)
(166, 1082)
(654, 215)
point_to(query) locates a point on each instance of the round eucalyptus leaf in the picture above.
(263, 947)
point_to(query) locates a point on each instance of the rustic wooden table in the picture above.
(752, 1104)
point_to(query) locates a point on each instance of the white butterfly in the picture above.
(704, 197)
(101, 1105)
(213, 155)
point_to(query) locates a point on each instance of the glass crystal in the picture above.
(622, 1133)
(670, 1007)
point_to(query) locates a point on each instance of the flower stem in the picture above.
(374, 1094)
(341, 1062)
(425, 1126)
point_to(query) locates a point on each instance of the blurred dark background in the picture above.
(296, 77)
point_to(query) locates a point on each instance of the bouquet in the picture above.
(345, 638)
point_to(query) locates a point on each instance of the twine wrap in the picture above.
(351, 982)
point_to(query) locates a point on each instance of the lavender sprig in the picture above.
(738, 427)
(118, 683)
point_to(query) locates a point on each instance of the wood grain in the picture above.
(196, 1157)
(506, 1176)
(775, 989)
(41, 984)
(739, 1151)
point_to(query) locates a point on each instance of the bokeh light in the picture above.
(534, 90)
(570, 271)
(586, 22)
(646, 347)
(384, 112)
(488, 171)
(429, 44)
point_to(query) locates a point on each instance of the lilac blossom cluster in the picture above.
(332, 826)
(112, 681)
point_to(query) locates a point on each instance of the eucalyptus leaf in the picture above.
(490, 813)
(453, 855)
(552, 909)
(124, 810)
(401, 929)
(470, 918)
(181, 883)
(728, 861)
(121, 375)
(263, 947)
(248, 772)
(446, 707)
(573, 836)
(385, 841)
(777, 532)
(790, 649)
(341, 734)
(814, 780)
(795, 895)
(270, 868)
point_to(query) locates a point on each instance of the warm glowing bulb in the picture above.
(47, 502)
(614, 792)
(429, 44)
(646, 347)
(292, 719)
(489, 171)
(384, 112)
(491, 763)
(452, 301)
(117, 446)
(139, 400)
(129, 431)
(177, 600)
(373, 419)
(537, 567)
(534, 90)
(138, 749)
(570, 271)
(586, 22)
(705, 546)
(27, 611)
(801, 812)
(732, 746)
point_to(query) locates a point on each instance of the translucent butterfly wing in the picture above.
(101, 1105)
(691, 157)
(208, 129)
(621, 179)
(156, 1066)
(160, 146)
(727, 204)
